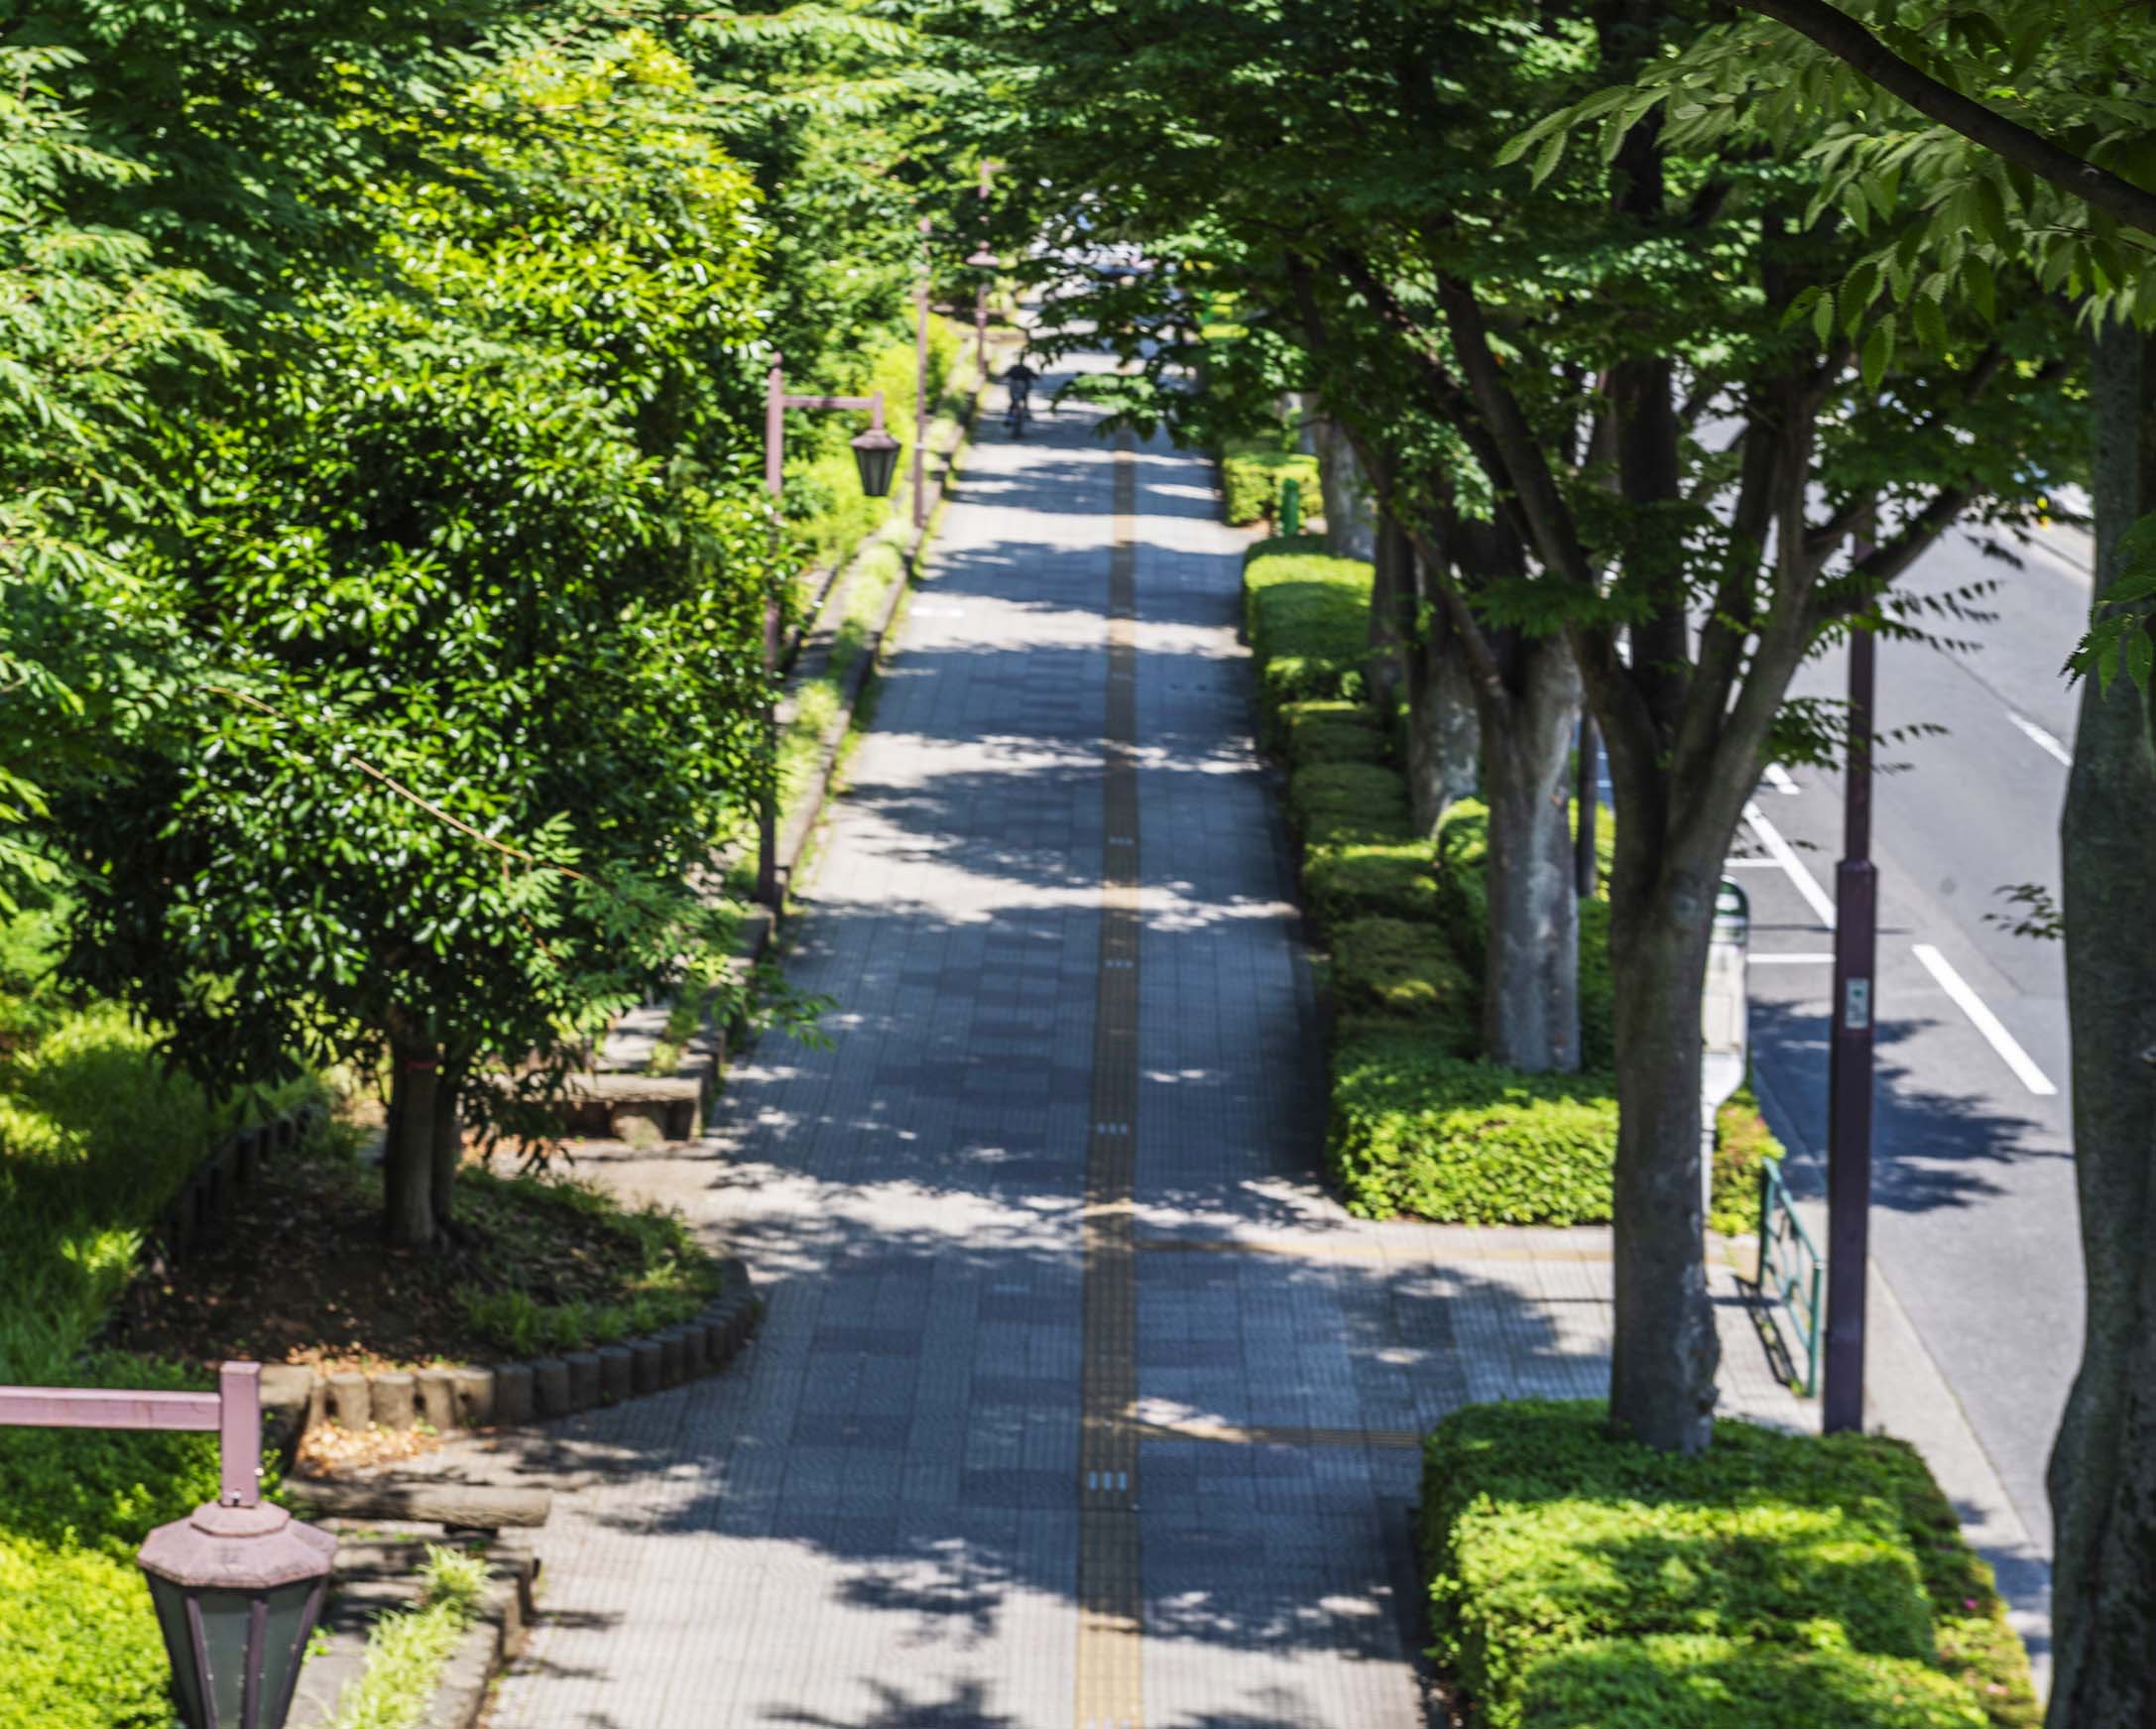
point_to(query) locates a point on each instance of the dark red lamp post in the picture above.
(876, 460)
(238, 1584)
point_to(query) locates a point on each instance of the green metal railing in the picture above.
(1791, 1274)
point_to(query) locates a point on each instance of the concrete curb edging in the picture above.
(298, 1397)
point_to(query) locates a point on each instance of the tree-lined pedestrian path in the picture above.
(1077, 1399)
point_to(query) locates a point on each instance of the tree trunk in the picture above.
(407, 1164)
(2102, 1475)
(1444, 735)
(1351, 514)
(1532, 965)
(1391, 618)
(447, 1152)
(1662, 1368)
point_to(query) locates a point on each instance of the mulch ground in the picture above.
(302, 1276)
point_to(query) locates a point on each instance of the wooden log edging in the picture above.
(200, 1211)
(509, 1395)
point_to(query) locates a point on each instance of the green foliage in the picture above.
(1742, 1144)
(477, 530)
(1359, 880)
(406, 1648)
(1307, 617)
(1334, 804)
(1402, 970)
(1417, 1131)
(1775, 1579)
(1253, 479)
(1333, 732)
(1462, 857)
(78, 1644)
(96, 1134)
(647, 1258)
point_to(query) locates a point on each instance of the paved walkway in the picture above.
(1077, 1400)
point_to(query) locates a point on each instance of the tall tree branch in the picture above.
(1849, 40)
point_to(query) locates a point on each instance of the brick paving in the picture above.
(877, 1520)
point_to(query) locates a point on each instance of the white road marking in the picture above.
(1777, 776)
(1986, 1023)
(2043, 741)
(1789, 959)
(1785, 855)
(1750, 864)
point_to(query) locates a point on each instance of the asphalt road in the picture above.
(1973, 1214)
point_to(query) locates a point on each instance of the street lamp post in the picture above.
(876, 460)
(982, 260)
(920, 384)
(238, 1584)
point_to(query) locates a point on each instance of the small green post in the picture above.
(1292, 506)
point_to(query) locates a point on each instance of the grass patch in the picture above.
(406, 1648)
(96, 1137)
(1775, 1581)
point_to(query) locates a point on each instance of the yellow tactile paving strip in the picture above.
(1110, 1687)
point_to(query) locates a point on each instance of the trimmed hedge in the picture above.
(1333, 738)
(1417, 1129)
(1251, 480)
(1361, 880)
(1307, 617)
(1395, 968)
(1743, 1143)
(1774, 1581)
(1332, 804)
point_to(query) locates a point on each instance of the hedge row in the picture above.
(1252, 480)
(1774, 1581)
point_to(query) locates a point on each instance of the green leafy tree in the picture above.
(1977, 144)
(475, 569)
(1651, 462)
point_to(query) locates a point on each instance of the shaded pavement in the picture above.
(1056, 882)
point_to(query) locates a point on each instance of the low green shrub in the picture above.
(1307, 617)
(1330, 739)
(1461, 852)
(1251, 480)
(1371, 879)
(1415, 1128)
(1405, 970)
(1333, 804)
(1774, 1581)
(1743, 1143)
(78, 1643)
(1597, 988)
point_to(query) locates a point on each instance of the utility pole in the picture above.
(1849, 1070)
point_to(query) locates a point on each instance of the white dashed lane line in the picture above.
(1785, 855)
(1986, 1023)
(1777, 776)
(1782, 855)
(2043, 740)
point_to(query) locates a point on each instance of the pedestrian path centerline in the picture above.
(1110, 1660)
(1274, 1435)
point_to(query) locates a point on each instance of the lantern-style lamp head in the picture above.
(237, 1591)
(983, 258)
(876, 454)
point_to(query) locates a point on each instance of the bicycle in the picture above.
(1017, 414)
